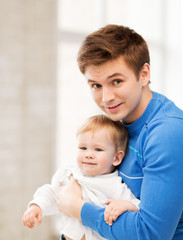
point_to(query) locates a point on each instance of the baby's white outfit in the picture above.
(95, 190)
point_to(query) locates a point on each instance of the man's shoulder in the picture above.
(166, 115)
(166, 123)
(167, 108)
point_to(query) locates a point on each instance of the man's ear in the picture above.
(145, 74)
(118, 158)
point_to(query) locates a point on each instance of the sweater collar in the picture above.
(135, 127)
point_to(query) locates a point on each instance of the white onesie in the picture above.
(95, 190)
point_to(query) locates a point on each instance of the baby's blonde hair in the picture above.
(116, 129)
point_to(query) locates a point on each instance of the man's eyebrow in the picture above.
(115, 75)
(90, 80)
(111, 76)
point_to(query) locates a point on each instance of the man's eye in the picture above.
(98, 149)
(116, 82)
(95, 86)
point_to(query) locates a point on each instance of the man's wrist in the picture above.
(77, 209)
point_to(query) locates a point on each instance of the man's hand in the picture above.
(69, 199)
(28, 219)
(117, 207)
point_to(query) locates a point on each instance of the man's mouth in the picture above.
(114, 108)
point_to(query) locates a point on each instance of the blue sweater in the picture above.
(153, 170)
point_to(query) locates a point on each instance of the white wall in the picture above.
(27, 110)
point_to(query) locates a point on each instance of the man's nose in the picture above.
(107, 95)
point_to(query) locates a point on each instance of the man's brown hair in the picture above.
(111, 42)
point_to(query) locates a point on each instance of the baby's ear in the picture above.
(118, 158)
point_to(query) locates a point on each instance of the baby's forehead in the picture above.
(106, 133)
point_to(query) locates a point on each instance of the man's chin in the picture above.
(114, 117)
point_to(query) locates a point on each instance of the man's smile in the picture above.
(113, 108)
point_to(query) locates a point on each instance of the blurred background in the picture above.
(44, 97)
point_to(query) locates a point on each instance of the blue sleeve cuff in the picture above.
(92, 216)
(89, 215)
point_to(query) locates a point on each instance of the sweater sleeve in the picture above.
(161, 191)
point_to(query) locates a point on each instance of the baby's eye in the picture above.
(83, 148)
(98, 149)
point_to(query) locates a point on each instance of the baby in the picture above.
(102, 144)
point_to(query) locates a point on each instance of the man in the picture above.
(115, 61)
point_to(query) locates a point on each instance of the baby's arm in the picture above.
(28, 219)
(117, 207)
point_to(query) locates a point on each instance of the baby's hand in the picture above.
(117, 207)
(28, 219)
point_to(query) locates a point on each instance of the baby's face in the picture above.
(96, 152)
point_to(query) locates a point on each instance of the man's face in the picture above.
(116, 89)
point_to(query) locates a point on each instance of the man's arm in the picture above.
(161, 195)
(69, 200)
